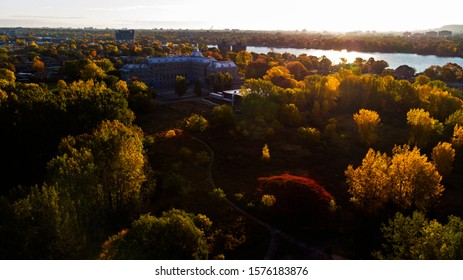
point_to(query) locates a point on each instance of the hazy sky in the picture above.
(322, 15)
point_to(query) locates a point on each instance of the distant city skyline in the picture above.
(326, 15)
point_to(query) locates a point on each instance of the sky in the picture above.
(322, 15)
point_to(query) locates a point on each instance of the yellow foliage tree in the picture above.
(422, 126)
(38, 65)
(367, 123)
(457, 139)
(369, 184)
(280, 76)
(407, 180)
(268, 200)
(415, 180)
(443, 156)
(265, 153)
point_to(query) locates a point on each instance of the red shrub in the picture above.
(297, 197)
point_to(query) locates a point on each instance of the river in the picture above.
(419, 62)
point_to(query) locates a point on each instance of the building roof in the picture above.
(196, 53)
(222, 64)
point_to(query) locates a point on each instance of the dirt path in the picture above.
(309, 252)
(277, 235)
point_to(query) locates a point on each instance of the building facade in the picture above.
(125, 35)
(162, 71)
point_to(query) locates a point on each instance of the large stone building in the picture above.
(162, 71)
(125, 35)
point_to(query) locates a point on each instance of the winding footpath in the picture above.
(309, 252)
(277, 235)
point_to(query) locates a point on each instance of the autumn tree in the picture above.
(176, 235)
(443, 156)
(369, 184)
(242, 59)
(92, 71)
(297, 69)
(296, 198)
(457, 138)
(196, 123)
(265, 153)
(280, 76)
(456, 118)
(180, 85)
(325, 91)
(38, 66)
(407, 179)
(256, 70)
(268, 200)
(404, 72)
(105, 64)
(7, 75)
(367, 124)
(422, 126)
(416, 238)
(105, 171)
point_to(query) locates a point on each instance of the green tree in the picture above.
(49, 224)
(367, 124)
(105, 169)
(308, 135)
(416, 237)
(290, 115)
(180, 86)
(176, 235)
(223, 116)
(140, 97)
(197, 88)
(261, 99)
(88, 103)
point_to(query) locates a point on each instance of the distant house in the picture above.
(162, 71)
(8, 31)
(125, 35)
(226, 47)
(431, 33)
(445, 33)
(407, 34)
